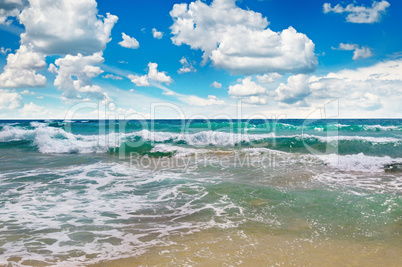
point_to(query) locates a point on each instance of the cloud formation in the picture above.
(268, 78)
(239, 41)
(295, 91)
(32, 110)
(246, 88)
(129, 42)
(359, 14)
(186, 66)
(74, 75)
(11, 8)
(9, 100)
(21, 68)
(216, 85)
(65, 27)
(156, 34)
(358, 52)
(153, 76)
(254, 100)
(69, 28)
(201, 102)
(360, 89)
(113, 77)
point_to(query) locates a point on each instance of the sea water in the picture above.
(181, 192)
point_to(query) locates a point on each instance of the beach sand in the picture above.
(251, 248)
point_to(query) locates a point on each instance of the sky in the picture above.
(70, 59)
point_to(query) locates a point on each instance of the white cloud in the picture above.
(156, 34)
(201, 102)
(358, 52)
(66, 26)
(361, 53)
(4, 51)
(217, 85)
(153, 75)
(113, 77)
(129, 42)
(186, 66)
(295, 91)
(21, 69)
(366, 101)
(74, 74)
(9, 99)
(10, 8)
(268, 78)
(31, 110)
(27, 92)
(369, 88)
(255, 100)
(246, 88)
(169, 93)
(239, 41)
(359, 14)
(139, 80)
(55, 27)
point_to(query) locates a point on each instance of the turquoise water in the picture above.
(87, 191)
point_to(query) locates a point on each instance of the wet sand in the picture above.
(249, 248)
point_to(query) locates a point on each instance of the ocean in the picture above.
(181, 192)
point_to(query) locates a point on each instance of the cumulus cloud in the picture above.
(366, 101)
(359, 14)
(129, 42)
(9, 99)
(239, 41)
(153, 75)
(156, 34)
(358, 52)
(246, 88)
(361, 53)
(186, 66)
(21, 68)
(55, 27)
(295, 91)
(361, 89)
(66, 26)
(11, 8)
(255, 100)
(268, 78)
(74, 75)
(202, 102)
(217, 85)
(32, 110)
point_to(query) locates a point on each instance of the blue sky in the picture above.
(277, 58)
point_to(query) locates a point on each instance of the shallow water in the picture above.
(83, 193)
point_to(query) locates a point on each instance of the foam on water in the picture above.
(97, 212)
(56, 140)
(358, 162)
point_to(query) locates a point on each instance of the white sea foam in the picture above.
(361, 184)
(358, 162)
(57, 140)
(382, 128)
(107, 210)
(331, 138)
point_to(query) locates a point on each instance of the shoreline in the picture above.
(250, 248)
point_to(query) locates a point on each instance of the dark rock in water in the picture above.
(393, 167)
